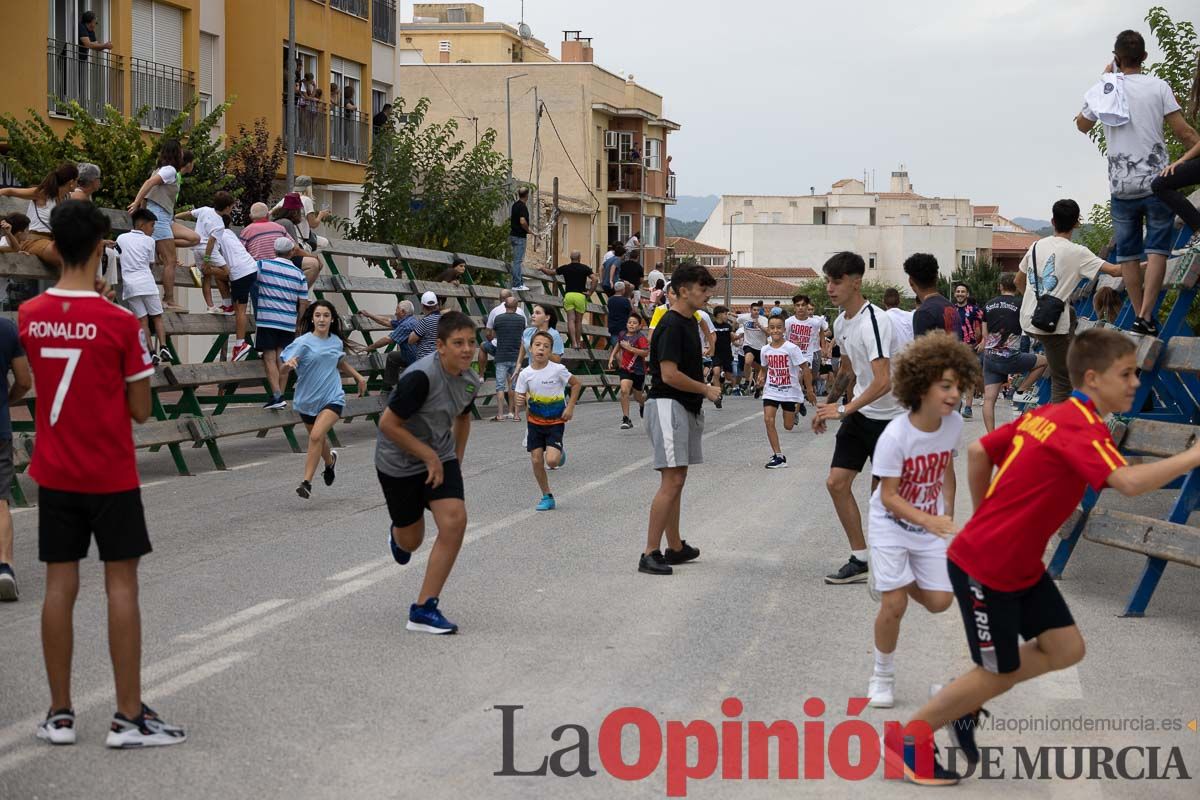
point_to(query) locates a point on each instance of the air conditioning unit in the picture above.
(610, 140)
(612, 215)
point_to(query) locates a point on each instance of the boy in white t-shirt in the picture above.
(138, 289)
(542, 386)
(782, 362)
(209, 261)
(912, 508)
(240, 273)
(808, 333)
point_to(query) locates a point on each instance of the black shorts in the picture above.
(539, 437)
(994, 620)
(787, 405)
(856, 440)
(639, 379)
(272, 339)
(309, 419)
(240, 289)
(725, 361)
(750, 351)
(67, 521)
(408, 497)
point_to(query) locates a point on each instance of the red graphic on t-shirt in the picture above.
(779, 373)
(922, 478)
(801, 336)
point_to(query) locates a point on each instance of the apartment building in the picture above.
(164, 52)
(601, 134)
(883, 227)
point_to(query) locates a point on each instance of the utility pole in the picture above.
(554, 256)
(290, 115)
(729, 263)
(537, 154)
(508, 116)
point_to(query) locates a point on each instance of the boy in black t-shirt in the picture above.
(674, 416)
(722, 349)
(1002, 354)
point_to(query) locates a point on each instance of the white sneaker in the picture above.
(58, 727)
(882, 691)
(1026, 397)
(215, 310)
(521, 288)
(148, 730)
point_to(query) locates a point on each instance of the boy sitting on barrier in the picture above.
(995, 563)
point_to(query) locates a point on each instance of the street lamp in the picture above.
(508, 116)
(729, 263)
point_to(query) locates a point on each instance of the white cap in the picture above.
(429, 299)
(284, 245)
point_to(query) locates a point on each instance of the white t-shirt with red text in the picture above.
(783, 372)
(805, 333)
(920, 460)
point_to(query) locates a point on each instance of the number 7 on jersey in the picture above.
(71, 354)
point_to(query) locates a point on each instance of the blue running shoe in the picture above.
(427, 619)
(904, 762)
(399, 553)
(547, 503)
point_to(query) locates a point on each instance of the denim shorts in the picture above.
(996, 369)
(1129, 216)
(162, 221)
(504, 371)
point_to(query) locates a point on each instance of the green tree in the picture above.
(254, 168)
(982, 281)
(426, 187)
(872, 290)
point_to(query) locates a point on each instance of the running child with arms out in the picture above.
(542, 386)
(779, 383)
(319, 358)
(912, 508)
(995, 563)
(90, 363)
(633, 347)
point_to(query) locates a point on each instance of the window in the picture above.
(624, 227)
(871, 261)
(741, 257)
(819, 216)
(379, 99)
(456, 15)
(872, 223)
(966, 259)
(763, 218)
(158, 81)
(650, 232)
(748, 203)
(64, 19)
(564, 242)
(342, 74)
(793, 204)
(597, 173)
(158, 33)
(654, 154)
(776, 217)
(208, 49)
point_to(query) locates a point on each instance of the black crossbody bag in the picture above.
(1049, 308)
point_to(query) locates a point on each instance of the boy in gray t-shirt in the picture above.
(419, 449)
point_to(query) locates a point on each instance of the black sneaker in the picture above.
(802, 410)
(853, 571)
(626, 423)
(328, 474)
(148, 730)
(717, 402)
(304, 489)
(962, 734)
(905, 761)
(654, 564)
(275, 403)
(8, 584)
(1145, 327)
(683, 555)
(777, 462)
(757, 392)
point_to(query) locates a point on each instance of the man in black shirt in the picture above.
(1002, 354)
(631, 272)
(934, 312)
(518, 234)
(578, 284)
(674, 415)
(87, 36)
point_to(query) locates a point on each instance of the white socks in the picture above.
(884, 663)
(861, 555)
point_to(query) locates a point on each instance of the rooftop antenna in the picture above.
(524, 30)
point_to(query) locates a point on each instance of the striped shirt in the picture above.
(280, 286)
(259, 238)
(426, 328)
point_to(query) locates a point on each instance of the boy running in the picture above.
(633, 346)
(782, 362)
(90, 357)
(995, 564)
(806, 332)
(912, 509)
(722, 356)
(418, 454)
(542, 385)
(139, 291)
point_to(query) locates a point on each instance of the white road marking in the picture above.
(232, 621)
(205, 652)
(192, 676)
(246, 466)
(354, 572)
(154, 483)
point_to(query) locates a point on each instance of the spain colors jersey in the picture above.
(83, 350)
(1045, 460)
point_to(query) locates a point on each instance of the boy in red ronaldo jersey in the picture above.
(995, 563)
(92, 374)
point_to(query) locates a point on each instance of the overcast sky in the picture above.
(976, 98)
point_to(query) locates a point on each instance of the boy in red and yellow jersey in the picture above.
(1043, 463)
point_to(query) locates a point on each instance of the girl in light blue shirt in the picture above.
(318, 356)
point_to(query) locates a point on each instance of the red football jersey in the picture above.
(1046, 459)
(83, 350)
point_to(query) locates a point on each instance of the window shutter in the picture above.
(143, 30)
(207, 48)
(168, 35)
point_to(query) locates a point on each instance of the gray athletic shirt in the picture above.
(428, 399)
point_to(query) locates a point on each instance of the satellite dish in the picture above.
(525, 31)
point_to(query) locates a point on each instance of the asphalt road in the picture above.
(274, 632)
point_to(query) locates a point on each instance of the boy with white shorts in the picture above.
(138, 289)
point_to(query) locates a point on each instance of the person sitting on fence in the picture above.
(159, 194)
(260, 235)
(206, 255)
(402, 326)
(88, 182)
(139, 291)
(542, 319)
(13, 231)
(319, 358)
(310, 219)
(54, 188)
(282, 296)
(424, 334)
(241, 273)
(453, 273)
(290, 216)
(509, 327)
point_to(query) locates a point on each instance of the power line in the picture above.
(433, 72)
(582, 180)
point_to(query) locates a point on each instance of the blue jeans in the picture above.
(1128, 217)
(518, 259)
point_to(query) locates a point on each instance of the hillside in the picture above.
(687, 230)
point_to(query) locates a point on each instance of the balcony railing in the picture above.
(671, 186)
(625, 177)
(311, 122)
(165, 90)
(383, 21)
(356, 7)
(349, 135)
(93, 81)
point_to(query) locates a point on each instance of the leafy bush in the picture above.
(254, 167)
